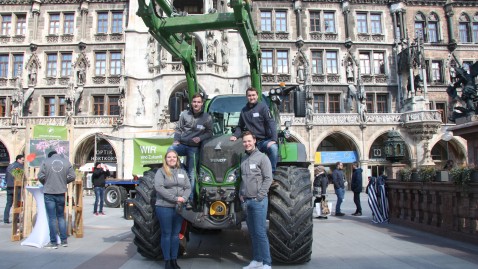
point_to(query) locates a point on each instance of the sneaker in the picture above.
(339, 214)
(322, 217)
(96, 213)
(357, 214)
(254, 265)
(64, 243)
(102, 214)
(265, 266)
(51, 246)
(7, 222)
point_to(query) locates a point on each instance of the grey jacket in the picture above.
(191, 125)
(256, 173)
(55, 173)
(169, 189)
(9, 177)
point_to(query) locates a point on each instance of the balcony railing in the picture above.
(77, 121)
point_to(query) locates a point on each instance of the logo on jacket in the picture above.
(218, 160)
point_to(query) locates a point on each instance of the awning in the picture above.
(88, 167)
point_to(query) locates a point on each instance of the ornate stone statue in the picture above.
(32, 74)
(465, 78)
(211, 47)
(350, 72)
(81, 74)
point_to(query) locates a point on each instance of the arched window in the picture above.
(433, 29)
(420, 25)
(475, 28)
(464, 28)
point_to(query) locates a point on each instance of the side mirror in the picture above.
(174, 108)
(300, 104)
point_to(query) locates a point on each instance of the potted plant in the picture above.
(405, 174)
(455, 173)
(18, 173)
(426, 174)
(462, 176)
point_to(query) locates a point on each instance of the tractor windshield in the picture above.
(225, 111)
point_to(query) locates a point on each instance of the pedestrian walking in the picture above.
(357, 187)
(338, 179)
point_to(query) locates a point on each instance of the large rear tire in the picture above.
(290, 216)
(146, 229)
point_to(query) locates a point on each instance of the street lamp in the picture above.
(447, 136)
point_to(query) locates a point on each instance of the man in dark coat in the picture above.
(357, 187)
(19, 160)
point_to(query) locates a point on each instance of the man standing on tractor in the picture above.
(257, 118)
(194, 126)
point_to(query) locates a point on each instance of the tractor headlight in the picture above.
(232, 175)
(205, 176)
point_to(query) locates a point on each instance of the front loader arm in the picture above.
(172, 32)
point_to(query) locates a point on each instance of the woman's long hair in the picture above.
(166, 168)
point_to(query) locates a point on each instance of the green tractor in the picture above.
(217, 205)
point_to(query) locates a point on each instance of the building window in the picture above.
(51, 65)
(433, 28)
(115, 63)
(362, 27)
(420, 26)
(331, 62)
(6, 24)
(382, 100)
(441, 108)
(378, 106)
(378, 63)
(21, 25)
(329, 22)
(267, 61)
(334, 103)
(436, 71)
(317, 62)
(100, 63)
(65, 65)
(475, 32)
(3, 66)
(117, 25)
(266, 21)
(102, 25)
(364, 63)
(3, 106)
(281, 21)
(113, 105)
(282, 62)
(68, 23)
(98, 105)
(376, 23)
(314, 21)
(54, 106)
(17, 65)
(319, 103)
(54, 24)
(464, 28)
(286, 106)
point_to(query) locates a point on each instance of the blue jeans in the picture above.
(55, 210)
(8, 205)
(170, 223)
(192, 156)
(256, 224)
(340, 198)
(99, 196)
(272, 152)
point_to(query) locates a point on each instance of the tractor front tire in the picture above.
(290, 215)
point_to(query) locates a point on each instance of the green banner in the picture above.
(149, 151)
(50, 132)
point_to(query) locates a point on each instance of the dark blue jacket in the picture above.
(338, 179)
(357, 180)
(258, 120)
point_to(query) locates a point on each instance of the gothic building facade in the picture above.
(369, 67)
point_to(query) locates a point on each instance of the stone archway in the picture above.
(377, 161)
(443, 151)
(4, 158)
(105, 152)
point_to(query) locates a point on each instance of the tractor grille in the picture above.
(219, 155)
